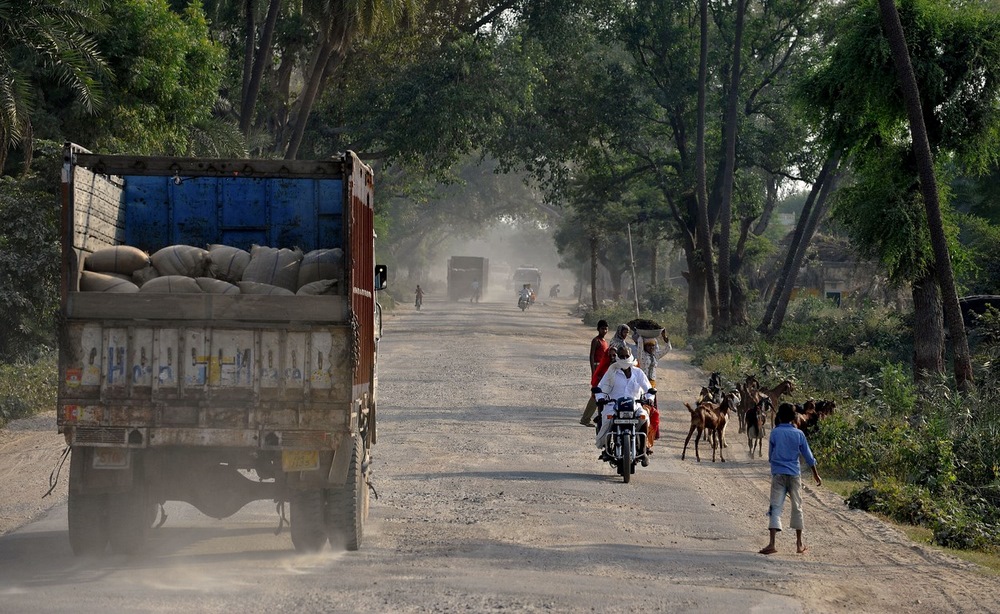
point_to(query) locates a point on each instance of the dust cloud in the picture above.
(508, 247)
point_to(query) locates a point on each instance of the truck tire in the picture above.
(88, 513)
(128, 519)
(308, 530)
(347, 505)
(88, 523)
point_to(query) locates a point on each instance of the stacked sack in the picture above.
(220, 269)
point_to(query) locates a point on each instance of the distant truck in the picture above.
(177, 396)
(527, 275)
(463, 271)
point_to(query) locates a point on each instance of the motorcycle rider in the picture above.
(623, 379)
(524, 294)
(419, 298)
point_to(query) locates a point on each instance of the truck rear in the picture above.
(463, 272)
(226, 391)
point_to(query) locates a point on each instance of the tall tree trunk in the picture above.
(740, 310)
(261, 59)
(928, 328)
(593, 271)
(327, 58)
(786, 276)
(654, 253)
(928, 187)
(723, 322)
(822, 204)
(317, 68)
(704, 232)
(250, 30)
(697, 306)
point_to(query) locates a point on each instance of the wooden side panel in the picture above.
(362, 262)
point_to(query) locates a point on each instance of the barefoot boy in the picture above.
(785, 445)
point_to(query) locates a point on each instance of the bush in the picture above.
(29, 259)
(663, 297)
(27, 388)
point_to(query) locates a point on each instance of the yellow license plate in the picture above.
(111, 458)
(299, 460)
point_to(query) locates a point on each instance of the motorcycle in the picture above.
(625, 442)
(523, 302)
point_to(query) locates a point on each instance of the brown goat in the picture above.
(785, 387)
(756, 425)
(711, 418)
(749, 395)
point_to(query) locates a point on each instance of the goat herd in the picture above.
(755, 408)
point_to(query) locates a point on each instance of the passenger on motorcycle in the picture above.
(623, 379)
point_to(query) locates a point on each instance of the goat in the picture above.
(808, 414)
(749, 396)
(785, 387)
(730, 402)
(715, 386)
(756, 421)
(711, 418)
(704, 396)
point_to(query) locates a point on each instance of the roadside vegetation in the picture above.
(918, 454)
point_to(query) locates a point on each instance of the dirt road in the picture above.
(491, 498)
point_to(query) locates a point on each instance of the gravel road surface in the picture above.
(491, 498)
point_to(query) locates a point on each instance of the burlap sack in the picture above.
(252, 287)
(144, 274)
(172, 284)
(181, 260)
(277, 267)
(216, 286)
(323, 286)
(321, 264)
(227, 263)
(106, 282)
(122, 259)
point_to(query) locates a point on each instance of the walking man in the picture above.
(598, 351)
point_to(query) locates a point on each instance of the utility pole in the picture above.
(631, 256)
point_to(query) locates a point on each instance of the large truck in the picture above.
(527, 274)
(218, 399)
(463, 271)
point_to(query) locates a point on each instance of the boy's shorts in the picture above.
(782, 486)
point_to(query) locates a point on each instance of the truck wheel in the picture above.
(88, 523)
(308, 531)
(347, 505)
(128, 516)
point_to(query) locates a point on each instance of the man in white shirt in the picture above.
(622, 380)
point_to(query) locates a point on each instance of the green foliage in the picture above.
(167, 73)
(952, 524)
(662, 297)
(45, 44)
(29, 257)
(27, 387)
(980, 239)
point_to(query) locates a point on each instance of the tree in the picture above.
(857, 88)
(29, 256)
(166, 72)
(928, 187)
(42, 41)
